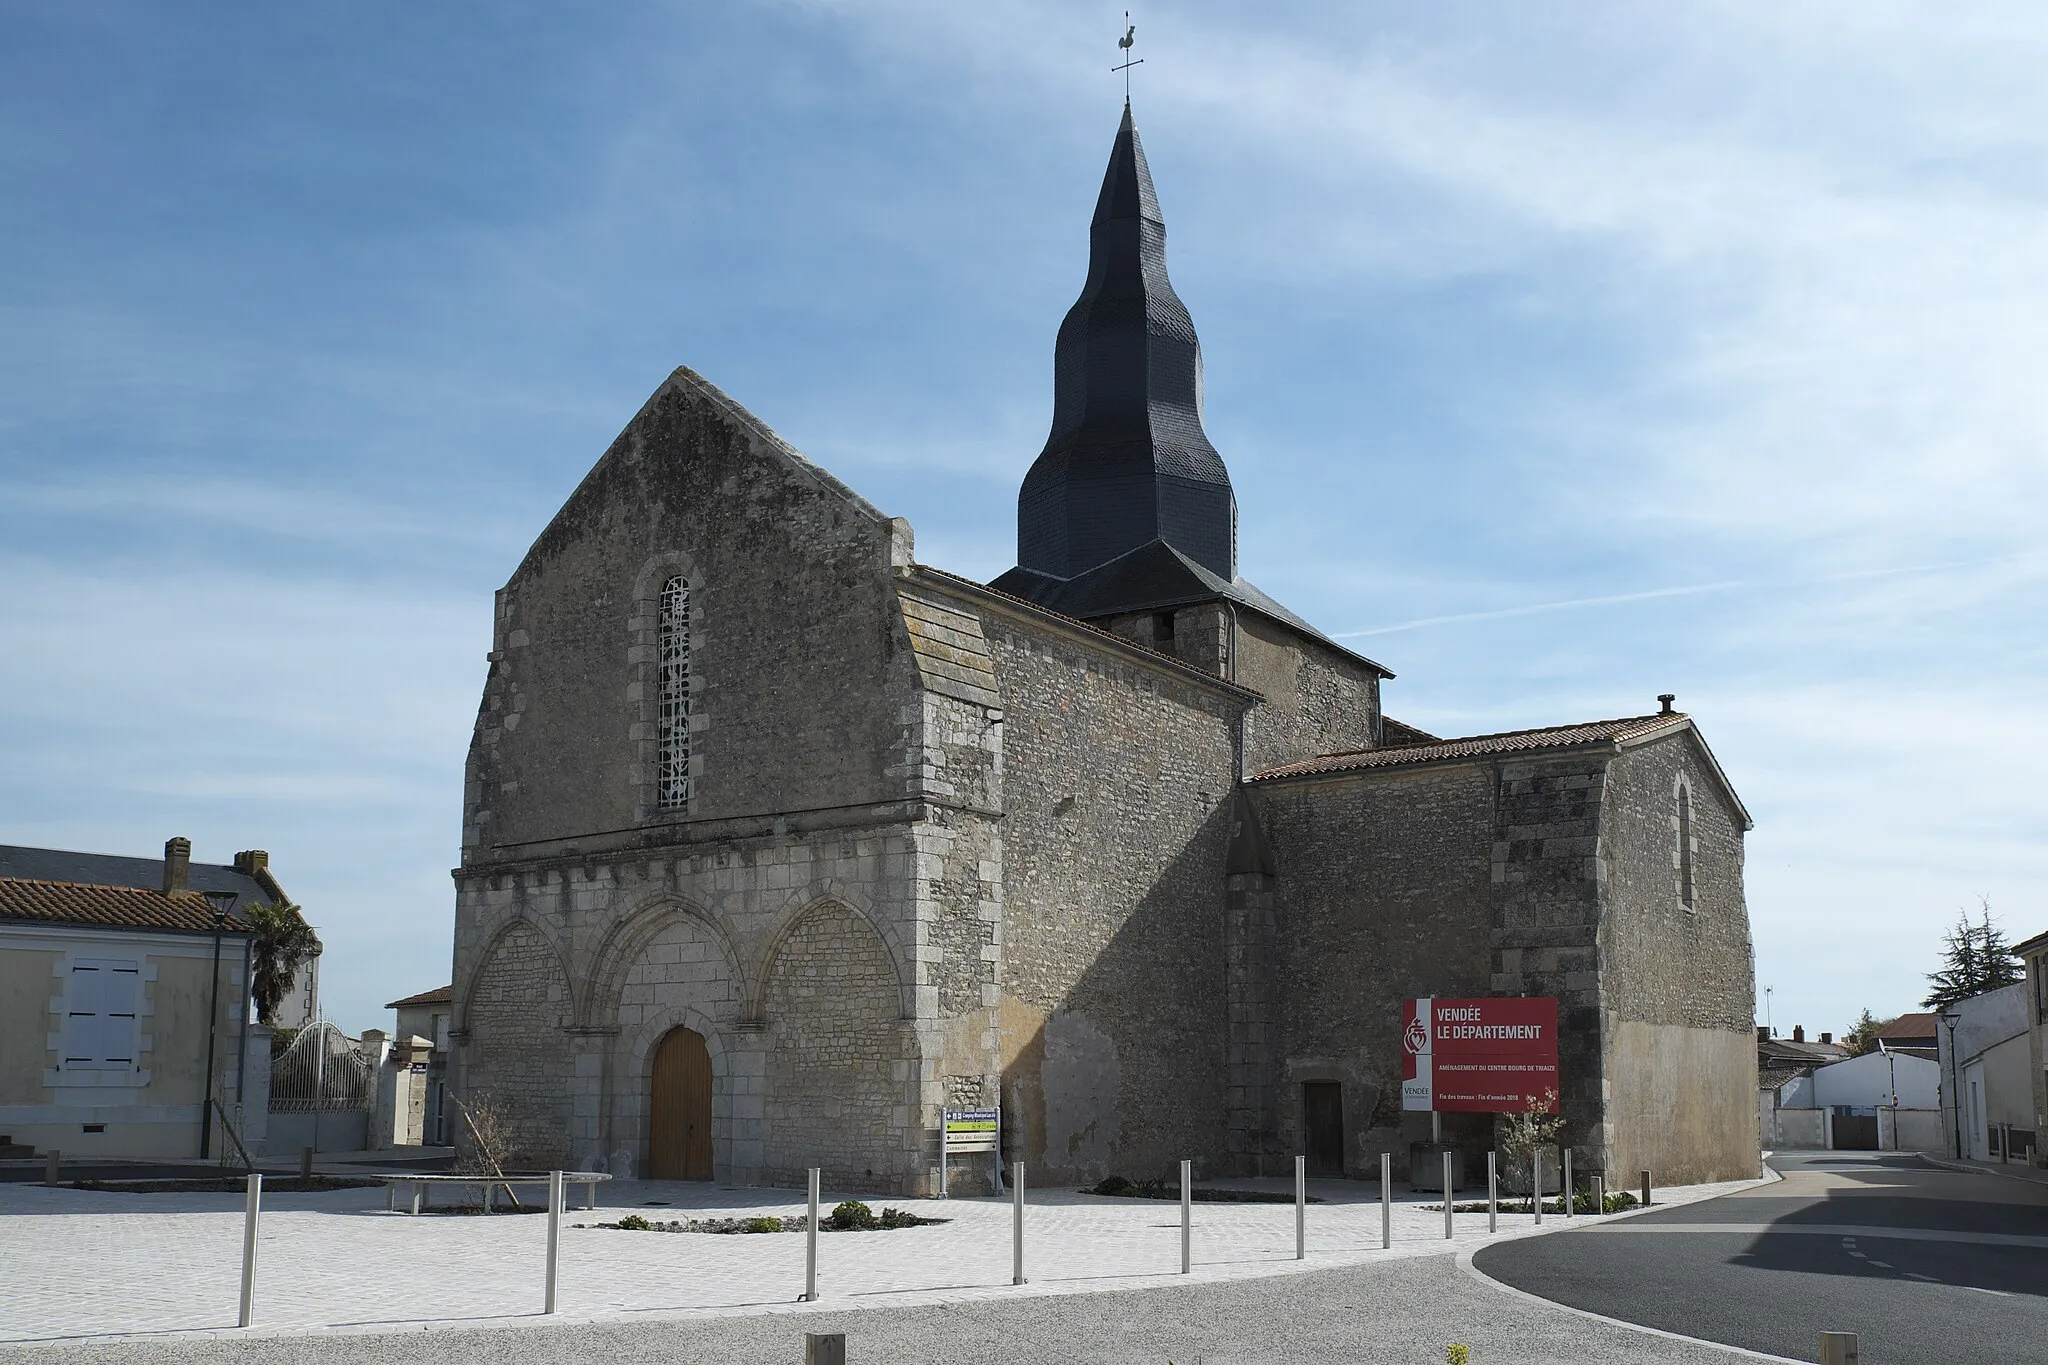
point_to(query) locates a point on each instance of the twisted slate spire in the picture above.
(1127, 462)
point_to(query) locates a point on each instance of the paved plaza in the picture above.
(87, 1267)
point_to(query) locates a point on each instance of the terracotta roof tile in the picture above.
(1481, 746)
(440, 995)
(112, 907)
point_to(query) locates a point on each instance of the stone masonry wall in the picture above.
(1318, 700)
(517, 1010)
(1678, 991)
(841, 1060)
(1382, 889)
(1547, 875)
(1117, 779)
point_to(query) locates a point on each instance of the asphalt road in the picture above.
(1924, 1264)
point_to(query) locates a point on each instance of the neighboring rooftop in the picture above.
(245, 877)
(440, 995)
(1591, 735)
(110, 907)
(1908, 1030)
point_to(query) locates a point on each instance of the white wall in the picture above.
(1879, 1079)
(1990, 1042)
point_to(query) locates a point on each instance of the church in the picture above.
(777, 842)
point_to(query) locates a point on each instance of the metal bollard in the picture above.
(50, 1165)
(555, 1195)
(1536, 1182)
(824, 1348)
(1386, 1200)
(1837, 1348)
(1599, 1194)
(1187, 1214)
(1646, 1189)
(811, 1247)
(1449, 1195)
(305, 1163)
(1493, 1192)
(249, 1217)
(1017, 1226)
(1301, 1208)
(1566, 1188)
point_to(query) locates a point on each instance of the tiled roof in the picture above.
(108, 869)
(440, 995)
(1482, 746)
(109, 907)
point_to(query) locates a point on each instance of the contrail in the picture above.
(1537, 608)
(1694, 590)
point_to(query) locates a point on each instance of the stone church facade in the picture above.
(776, 841)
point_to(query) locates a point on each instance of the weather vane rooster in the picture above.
(1124, 44)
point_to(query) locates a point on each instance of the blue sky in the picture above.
(1562, 355)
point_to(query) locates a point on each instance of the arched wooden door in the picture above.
(679, 1130)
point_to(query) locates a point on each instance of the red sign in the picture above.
(1490, 1056)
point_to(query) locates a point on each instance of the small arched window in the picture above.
(672, 695)
(1685, 888)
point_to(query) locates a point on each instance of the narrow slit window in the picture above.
(1685, 847)
(672, 652)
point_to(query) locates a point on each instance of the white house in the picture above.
(1985, 1060)
(1881, 1101)
(1877, 1080)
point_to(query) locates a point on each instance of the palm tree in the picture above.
(283, 942)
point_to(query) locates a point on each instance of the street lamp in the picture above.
(222, 902)
(1953, 1017)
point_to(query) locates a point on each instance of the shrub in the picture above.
(851, 1216)
(1111, 1184)
(633, 1222)
(897, 1218)
(762, 1225)
(1456, 1354)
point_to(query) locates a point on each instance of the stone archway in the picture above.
(679, 1108)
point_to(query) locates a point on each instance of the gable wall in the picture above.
(793, 635)
(1678, 992)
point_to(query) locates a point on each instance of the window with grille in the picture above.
(99, 1016)
(672, 655)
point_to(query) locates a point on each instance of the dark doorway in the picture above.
(1855, 1132)
(679, 1136)
(1322, 1127)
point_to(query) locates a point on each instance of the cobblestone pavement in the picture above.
(86, 1266)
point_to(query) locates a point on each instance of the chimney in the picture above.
(1763, 1033)
(177, 865)
(1799, 1033)
(251, 861)
(1827, 1038)
(1664, 700)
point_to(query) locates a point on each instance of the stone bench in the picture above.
(423, 1184)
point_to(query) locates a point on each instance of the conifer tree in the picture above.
(1975, 958)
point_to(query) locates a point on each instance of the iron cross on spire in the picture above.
(1124, 43)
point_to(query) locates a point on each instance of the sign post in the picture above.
(1484, 1055)
(1495, 1055)
(966, 1131)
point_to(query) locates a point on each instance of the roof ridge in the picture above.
(1171, 660)
(1474, 746)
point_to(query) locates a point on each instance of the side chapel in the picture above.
(777, 841)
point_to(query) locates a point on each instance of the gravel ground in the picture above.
(1400, 1313)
